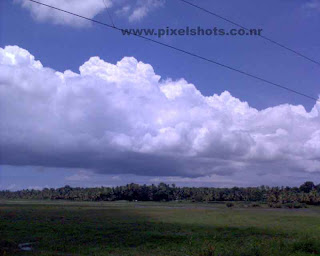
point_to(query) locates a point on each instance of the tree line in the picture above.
(307, 193)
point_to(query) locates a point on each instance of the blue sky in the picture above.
(66, 47)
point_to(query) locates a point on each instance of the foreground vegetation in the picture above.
(150, 228)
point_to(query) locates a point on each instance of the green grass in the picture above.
(122, 228)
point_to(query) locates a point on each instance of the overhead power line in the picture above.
(247, 29)
(110, 17)
(183, 51)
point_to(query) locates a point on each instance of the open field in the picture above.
(137, 228)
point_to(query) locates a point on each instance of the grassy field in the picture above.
(123, 228)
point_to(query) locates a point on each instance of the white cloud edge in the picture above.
(134, 11)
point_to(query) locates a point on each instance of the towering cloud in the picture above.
(122, 118)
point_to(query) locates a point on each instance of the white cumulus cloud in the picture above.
(143, 8)
(313, 4)
(133, 10)
(136, 10)
(87, 8)
(122, 118)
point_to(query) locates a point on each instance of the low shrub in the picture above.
(299, 205)
(275, 205)
(294, 205)
(229, 204)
